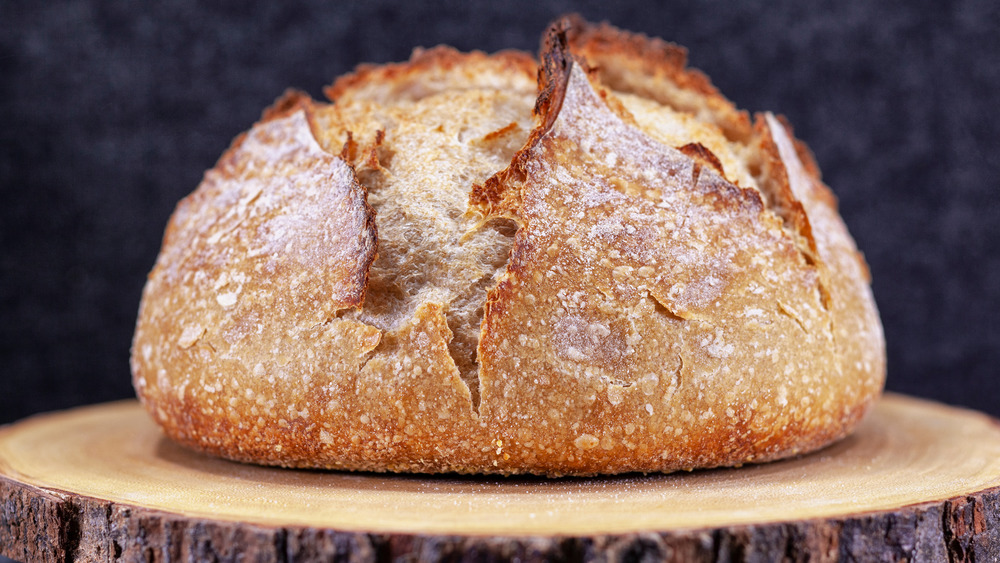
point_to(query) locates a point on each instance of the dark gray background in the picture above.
(111, 111)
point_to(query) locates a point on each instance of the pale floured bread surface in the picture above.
(451, 268)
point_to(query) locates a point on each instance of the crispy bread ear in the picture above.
(655, 69)
(492, 198)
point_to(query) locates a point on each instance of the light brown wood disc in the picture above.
(918, 480)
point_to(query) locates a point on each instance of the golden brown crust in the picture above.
(236, 282)
(595, 322)
(652, 314)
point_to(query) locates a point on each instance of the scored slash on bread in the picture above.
(449, 270)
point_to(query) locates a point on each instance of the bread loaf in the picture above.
(477, 263)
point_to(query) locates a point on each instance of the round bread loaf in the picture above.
(482, 264)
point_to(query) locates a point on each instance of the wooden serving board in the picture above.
(918, 481)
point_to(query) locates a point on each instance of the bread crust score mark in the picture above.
(652, 314)
(445, 120)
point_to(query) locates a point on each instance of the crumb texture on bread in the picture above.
(453, 268)
(448, 121)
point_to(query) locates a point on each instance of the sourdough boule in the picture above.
(477, 263)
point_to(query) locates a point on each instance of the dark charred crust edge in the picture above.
(702, 155)
(500, 195)
(369, 237)
(494, 197)
(708, 173)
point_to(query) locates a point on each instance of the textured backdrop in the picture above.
(111, 111)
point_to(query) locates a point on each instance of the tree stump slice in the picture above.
(918, 481)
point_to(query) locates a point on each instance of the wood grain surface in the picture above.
(918, 481)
